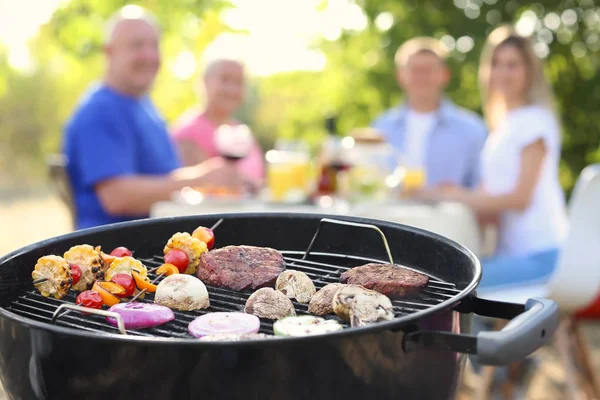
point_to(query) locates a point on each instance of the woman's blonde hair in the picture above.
(538, 92)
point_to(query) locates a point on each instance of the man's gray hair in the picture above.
(128, 12)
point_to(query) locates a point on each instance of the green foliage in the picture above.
(67, 57)
(359, 80)
(357, 84)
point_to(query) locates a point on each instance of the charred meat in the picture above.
(240, 267)
(391, 280)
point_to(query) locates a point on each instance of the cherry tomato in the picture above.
(121, 252)
(178, 258)
(205, 235)
(75, 273)
(126, 282)
(90, 299)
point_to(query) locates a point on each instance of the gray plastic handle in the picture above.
(523, 335)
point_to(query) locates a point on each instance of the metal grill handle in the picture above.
(355, 224)
(111, 314)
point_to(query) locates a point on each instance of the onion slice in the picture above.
(224, 323)
(305, 325)
(141, 315)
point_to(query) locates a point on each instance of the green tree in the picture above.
(358, 82)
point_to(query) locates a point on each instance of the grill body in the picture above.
(370, 362)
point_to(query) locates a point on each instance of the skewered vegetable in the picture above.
(89, 261)
(205, 235)
(182, 292)
(234, 337)
(141, 315)
(90, 299)
(143, 284)
(223, 323)
(362, 306)
(57, 273)
(295, 285)
(167, 270)
(75, 274)
(109, 291)
(126, 265)
(269, 303)
(126, 282)
(178, 258)
(190, 245)
(305, 325)
(121, 252)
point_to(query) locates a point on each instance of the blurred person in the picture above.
(121, 159)
(520, 187)
(224, 84)
(428, 130)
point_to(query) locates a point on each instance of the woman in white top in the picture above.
(520, 189)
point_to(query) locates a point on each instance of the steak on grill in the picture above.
(240, 267)
(391, 280)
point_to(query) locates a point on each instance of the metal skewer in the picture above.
(212, 228)
(144, 290)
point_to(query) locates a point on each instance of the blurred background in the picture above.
(307, 59)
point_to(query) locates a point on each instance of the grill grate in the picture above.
(322, 268)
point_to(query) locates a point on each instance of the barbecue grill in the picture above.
(418, 355)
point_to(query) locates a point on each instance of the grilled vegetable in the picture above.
(121, 252)
(190, 245)
(295, 285)
(90, 299)
(234, 337)
(321, 303)
(305, 325)
(126, 265)
(205, 235)
(126, 282)
(167, 270)
(269, 303)
(223, 323)
(141, 315)
(182, 292)
(178, 258)
(57, 273)
(89, 261)
(362, 306)
(75, 274)
(109, 291)
(143, 284)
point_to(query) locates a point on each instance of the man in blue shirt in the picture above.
(430, 132)
(121, 158)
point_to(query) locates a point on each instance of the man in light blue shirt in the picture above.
(429, 131)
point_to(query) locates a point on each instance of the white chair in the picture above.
(574, 285)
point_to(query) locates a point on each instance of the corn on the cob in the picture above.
(124, 265)
(57, 272)
(193, 247)
(89, 261)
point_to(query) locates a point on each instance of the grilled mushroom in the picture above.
(362, 306)
(322, 301)
(295, 285)
(89, 261)
(269, 303)
(182, 292)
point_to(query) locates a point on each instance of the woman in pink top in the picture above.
(195, 134)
